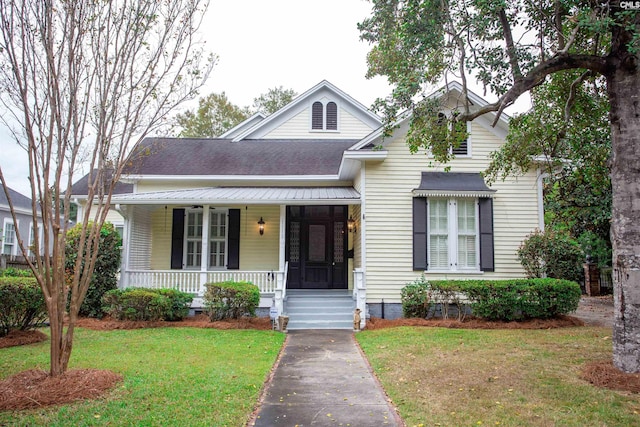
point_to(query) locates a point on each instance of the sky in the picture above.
(262, 45)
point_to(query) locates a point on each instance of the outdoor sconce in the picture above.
(351, 225)
(261, 226)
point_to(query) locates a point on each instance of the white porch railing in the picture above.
(193, 281)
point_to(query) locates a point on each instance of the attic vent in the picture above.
(462, 150)
(316, 115)
(332, 116)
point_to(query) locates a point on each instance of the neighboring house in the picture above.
(314, 198)
(9, 245)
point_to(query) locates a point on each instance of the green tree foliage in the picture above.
(566, 132)
(511, 48)
(105, 272)
(273, 100)
(214, 116)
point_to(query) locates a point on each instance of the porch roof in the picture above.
(249, 195)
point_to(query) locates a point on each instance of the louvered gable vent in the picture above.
(316, 115)
(332, 116)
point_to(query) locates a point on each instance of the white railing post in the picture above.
(360, 294)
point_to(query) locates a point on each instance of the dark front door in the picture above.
(316, 247)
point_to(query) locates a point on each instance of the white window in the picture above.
(8, 238)
(452, 239)
(217, 239)
(324, 116)
(216, 236)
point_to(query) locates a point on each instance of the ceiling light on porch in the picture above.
(351, 224)
(261, 226)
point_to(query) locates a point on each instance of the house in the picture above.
(9, 246)
(315, 201)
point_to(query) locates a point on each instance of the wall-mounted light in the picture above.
(351, 225)
(261, 226)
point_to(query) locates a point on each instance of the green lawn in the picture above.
(452, 377)
(172, 376)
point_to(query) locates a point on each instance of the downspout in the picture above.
(540, 189)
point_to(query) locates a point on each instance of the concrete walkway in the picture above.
(322, 379)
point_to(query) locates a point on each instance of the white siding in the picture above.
(389, 196)
(299, 127)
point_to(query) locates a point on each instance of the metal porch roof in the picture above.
(252, 195)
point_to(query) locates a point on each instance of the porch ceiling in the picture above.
(248, 195)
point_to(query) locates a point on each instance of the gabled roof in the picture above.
(222, 157)
(243, 126)
(19, 201)
(453, 90)
(301, 102)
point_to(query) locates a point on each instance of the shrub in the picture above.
(16, 272)
(231, 300)
(552, 255)
(146, 304)
(105, 273)
(22, 304)
(506, 300)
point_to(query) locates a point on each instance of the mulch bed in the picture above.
(603, 374)
(199, 321)
(474, 323)
(16, 337)
(35, 388)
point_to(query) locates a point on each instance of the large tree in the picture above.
(81, 82)
(511, 48)
(214, 116)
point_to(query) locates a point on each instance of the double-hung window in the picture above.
(452, 240)
(9, 238)
(453, 223)
(216, 237)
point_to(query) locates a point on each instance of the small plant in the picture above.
(146, 304)
(106, 268)
(16, 272)
(231, 300)
(22, 304)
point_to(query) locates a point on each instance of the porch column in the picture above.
(283, 236)
(204, 264)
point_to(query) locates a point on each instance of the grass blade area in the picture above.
(172, 376)
(455, 377)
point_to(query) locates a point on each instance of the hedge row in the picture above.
(231, 300)
(22, 304)
(507, 300)
(146, 304)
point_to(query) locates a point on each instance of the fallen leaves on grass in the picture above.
(35, 388)
(604, 374)
(17, 337)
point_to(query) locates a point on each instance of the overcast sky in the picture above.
(266, 44)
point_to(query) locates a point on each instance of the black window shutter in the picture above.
(177, 239)
(419, 233)
(486, 234)
(233, 240)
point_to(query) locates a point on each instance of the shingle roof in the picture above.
(81, 187)
(193, 156)
(18, 200)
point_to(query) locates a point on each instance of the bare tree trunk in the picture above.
(624, 93)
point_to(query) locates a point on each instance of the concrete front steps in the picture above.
(319, 309)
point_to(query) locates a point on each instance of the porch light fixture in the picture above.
(351, 224)
(261, 226)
